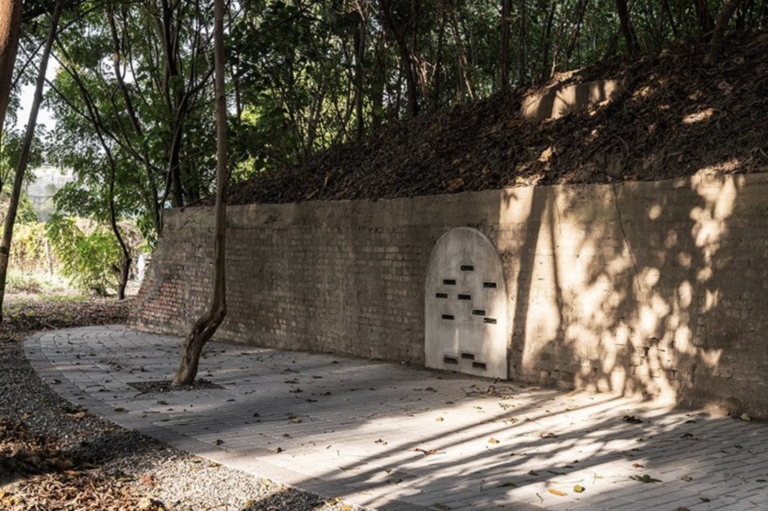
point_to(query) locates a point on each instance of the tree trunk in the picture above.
(359, 42)
(10, 29)
(705, 19)
(546, 41)
(626, 27)
(209, 322)
(522, 43)
(436, 75)
(464, 79)
(505, 44)
(717, 36)
(405, 55)
(13, 206)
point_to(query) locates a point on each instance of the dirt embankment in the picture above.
(676, 118)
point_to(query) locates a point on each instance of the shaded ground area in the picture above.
(393, 437)
(677, 118)
(56, 455)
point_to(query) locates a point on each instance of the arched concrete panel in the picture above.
(466, 306)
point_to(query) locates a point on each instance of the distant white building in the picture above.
(48, 180)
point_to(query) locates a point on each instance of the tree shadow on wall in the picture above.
(640, 288)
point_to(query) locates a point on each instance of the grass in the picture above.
(36, 283)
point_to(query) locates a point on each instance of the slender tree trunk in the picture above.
(125, 260)
(13, 206)
(405, 54)
(581, 12)
(10, 29)
(505, 4)
(705, 19)
(717, 36)
(671, 18)
(464, 78)
(546, 42)
(359, 42)
(522, 44)
(135, 124)
(209, 322)
(378, 86)
(437, 74)
(626, 27)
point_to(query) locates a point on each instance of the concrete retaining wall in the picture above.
(657, 288)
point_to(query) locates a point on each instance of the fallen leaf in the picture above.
(578, 488)
(644, 479)
(686, 478)
(557, 492)
(637, 465)
(439, 419)
(493, 441)
(746, 417)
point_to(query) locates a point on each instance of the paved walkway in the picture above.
(390, 436)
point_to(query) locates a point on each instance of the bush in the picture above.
(30, 250)
(87, 258)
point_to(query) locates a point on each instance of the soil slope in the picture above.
(677, 118)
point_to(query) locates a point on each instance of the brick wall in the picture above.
(654, 288)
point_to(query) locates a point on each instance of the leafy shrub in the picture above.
(87, 258)
(30, 251)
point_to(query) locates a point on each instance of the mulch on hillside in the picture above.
(677, 118)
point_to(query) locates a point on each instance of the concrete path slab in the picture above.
(389, 436)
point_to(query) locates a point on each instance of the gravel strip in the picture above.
(180, 480)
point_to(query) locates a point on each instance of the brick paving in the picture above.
(389, 436)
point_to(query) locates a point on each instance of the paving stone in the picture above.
(385, 448)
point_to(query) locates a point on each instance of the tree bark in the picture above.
(464, 79)
(209, 322)
(10, 30)
(13, 206)
(405, 55)
(522, 43)
(626, 27)
(717, 36)
(359, 49)
(437, 74)
(505, 44)
(546, 41)
(705, 19)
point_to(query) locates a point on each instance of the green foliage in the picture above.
(30, 252)
(87, 258)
